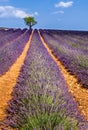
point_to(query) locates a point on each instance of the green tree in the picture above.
(30, 21)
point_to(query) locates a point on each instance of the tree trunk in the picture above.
(30, 27)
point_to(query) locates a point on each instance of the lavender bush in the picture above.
(73, 55)
(10, 37)
(41, 100)
(4, 32)
(10, 52)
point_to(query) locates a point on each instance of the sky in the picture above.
(49, 14)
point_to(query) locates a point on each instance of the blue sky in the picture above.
(49, 14)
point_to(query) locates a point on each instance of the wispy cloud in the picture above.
(58, 12)
(64, 4)
(10, 11)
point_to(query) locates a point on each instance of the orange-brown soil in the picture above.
(9, 79)
(80, 94)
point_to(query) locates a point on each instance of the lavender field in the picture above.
(40, 98)
(71, 47)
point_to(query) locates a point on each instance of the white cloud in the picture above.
(10, 11)
(58, 12)
(64, 4)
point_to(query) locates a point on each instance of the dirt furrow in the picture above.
(8, 80)
(80, 94)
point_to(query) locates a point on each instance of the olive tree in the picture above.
(30, 21)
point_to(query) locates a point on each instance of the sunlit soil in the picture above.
(80, 94)
(8, 80)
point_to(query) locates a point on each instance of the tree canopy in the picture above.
(30, 21)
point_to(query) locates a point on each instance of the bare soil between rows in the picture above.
(80, 94)
(8, 81)
(10, 78)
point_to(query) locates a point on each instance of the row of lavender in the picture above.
(76, 39)
(11, 47)
(4, 32)
(7, 36)
(41, 100)
(71, 47)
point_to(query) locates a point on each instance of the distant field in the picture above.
(43, 79)
(71, 47)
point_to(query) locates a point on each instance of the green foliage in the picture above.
(44, 113)
(51, 121)
(30, 21)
